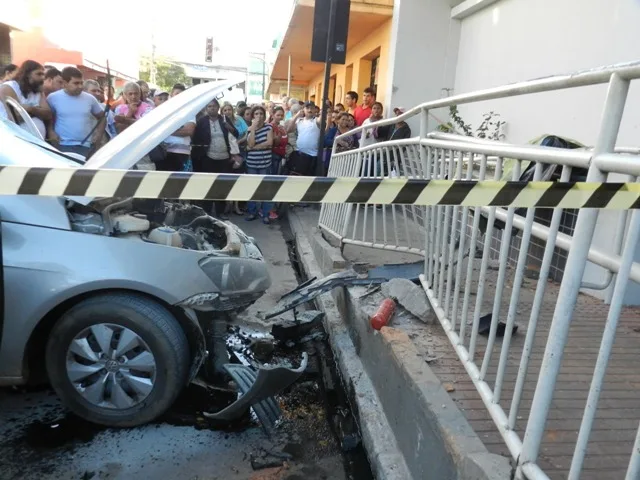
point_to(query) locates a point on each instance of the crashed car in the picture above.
(110, 299)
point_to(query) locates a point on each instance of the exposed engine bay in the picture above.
(158, 221)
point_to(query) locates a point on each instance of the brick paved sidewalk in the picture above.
(618, 414)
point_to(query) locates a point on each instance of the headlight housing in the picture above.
(233, 276)
(210, 302)
(200, 301)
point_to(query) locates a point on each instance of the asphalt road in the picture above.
(40, 440)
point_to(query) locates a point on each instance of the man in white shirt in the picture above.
(303, 159)
(73, 112)
(178, 144)
(26, 90)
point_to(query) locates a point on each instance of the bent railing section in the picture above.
(466, 248)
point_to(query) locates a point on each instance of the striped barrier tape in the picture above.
(270, 188)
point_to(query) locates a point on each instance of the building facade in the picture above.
(415, 51)
(367, 59)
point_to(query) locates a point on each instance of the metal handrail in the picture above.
(580, 78)
(449, 234)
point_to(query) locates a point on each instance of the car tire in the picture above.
(132, 388)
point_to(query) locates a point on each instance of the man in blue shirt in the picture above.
(73, 110)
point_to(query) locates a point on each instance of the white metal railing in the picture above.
(450, 238)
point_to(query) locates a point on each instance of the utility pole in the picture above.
(325, 90)
(289, 79)
(152, 67)
(264, 74)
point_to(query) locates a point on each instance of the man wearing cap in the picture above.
(396, 131)
(160, 97)
(307, 125)
(401, 129)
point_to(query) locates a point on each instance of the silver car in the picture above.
(111, 299)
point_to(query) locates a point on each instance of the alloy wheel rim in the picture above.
(111, 366)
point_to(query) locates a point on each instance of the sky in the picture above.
(237, 27)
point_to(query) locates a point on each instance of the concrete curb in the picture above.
(431, 434)
(385, 458)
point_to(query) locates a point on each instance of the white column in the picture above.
(423, 54)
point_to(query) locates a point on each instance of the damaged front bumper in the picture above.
(257, 389)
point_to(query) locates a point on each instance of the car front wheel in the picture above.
(118, 359)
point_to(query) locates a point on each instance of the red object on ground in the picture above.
(383, 315)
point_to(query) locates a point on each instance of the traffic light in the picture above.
(209, 50)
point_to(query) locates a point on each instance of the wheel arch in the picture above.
(34, 366)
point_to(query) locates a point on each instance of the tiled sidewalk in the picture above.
(618, 414)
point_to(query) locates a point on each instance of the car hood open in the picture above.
(124, 151)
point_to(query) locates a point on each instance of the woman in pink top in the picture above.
(133, 109)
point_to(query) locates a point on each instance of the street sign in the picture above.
(208, 57)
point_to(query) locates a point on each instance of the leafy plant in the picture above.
(167, 72)
(490, 128)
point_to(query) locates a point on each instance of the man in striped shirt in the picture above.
(259, 158)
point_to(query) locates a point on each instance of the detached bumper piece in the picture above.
(312, 288)
(257, 389)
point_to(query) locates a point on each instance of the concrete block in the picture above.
(410, 296)
(333, 241)
(432, 433)
(485, 466)
(328, 257)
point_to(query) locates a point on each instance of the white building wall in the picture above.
(514, 40)
(423, 52)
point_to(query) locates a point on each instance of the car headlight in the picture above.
(207, 302)
(236, 276)
(200, 301)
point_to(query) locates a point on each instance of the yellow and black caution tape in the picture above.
(17, 180)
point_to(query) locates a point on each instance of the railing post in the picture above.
(570, 287)
(424, 130)
(424, 161)
(633, 472)
(347, 216)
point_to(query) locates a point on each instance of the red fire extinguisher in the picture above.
(382, 317)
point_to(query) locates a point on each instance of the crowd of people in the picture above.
(79, 116)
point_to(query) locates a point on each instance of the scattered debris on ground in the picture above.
(410, 296)
(484, 326)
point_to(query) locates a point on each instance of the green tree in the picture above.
(167, 72)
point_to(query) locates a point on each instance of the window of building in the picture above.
(373, 82)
